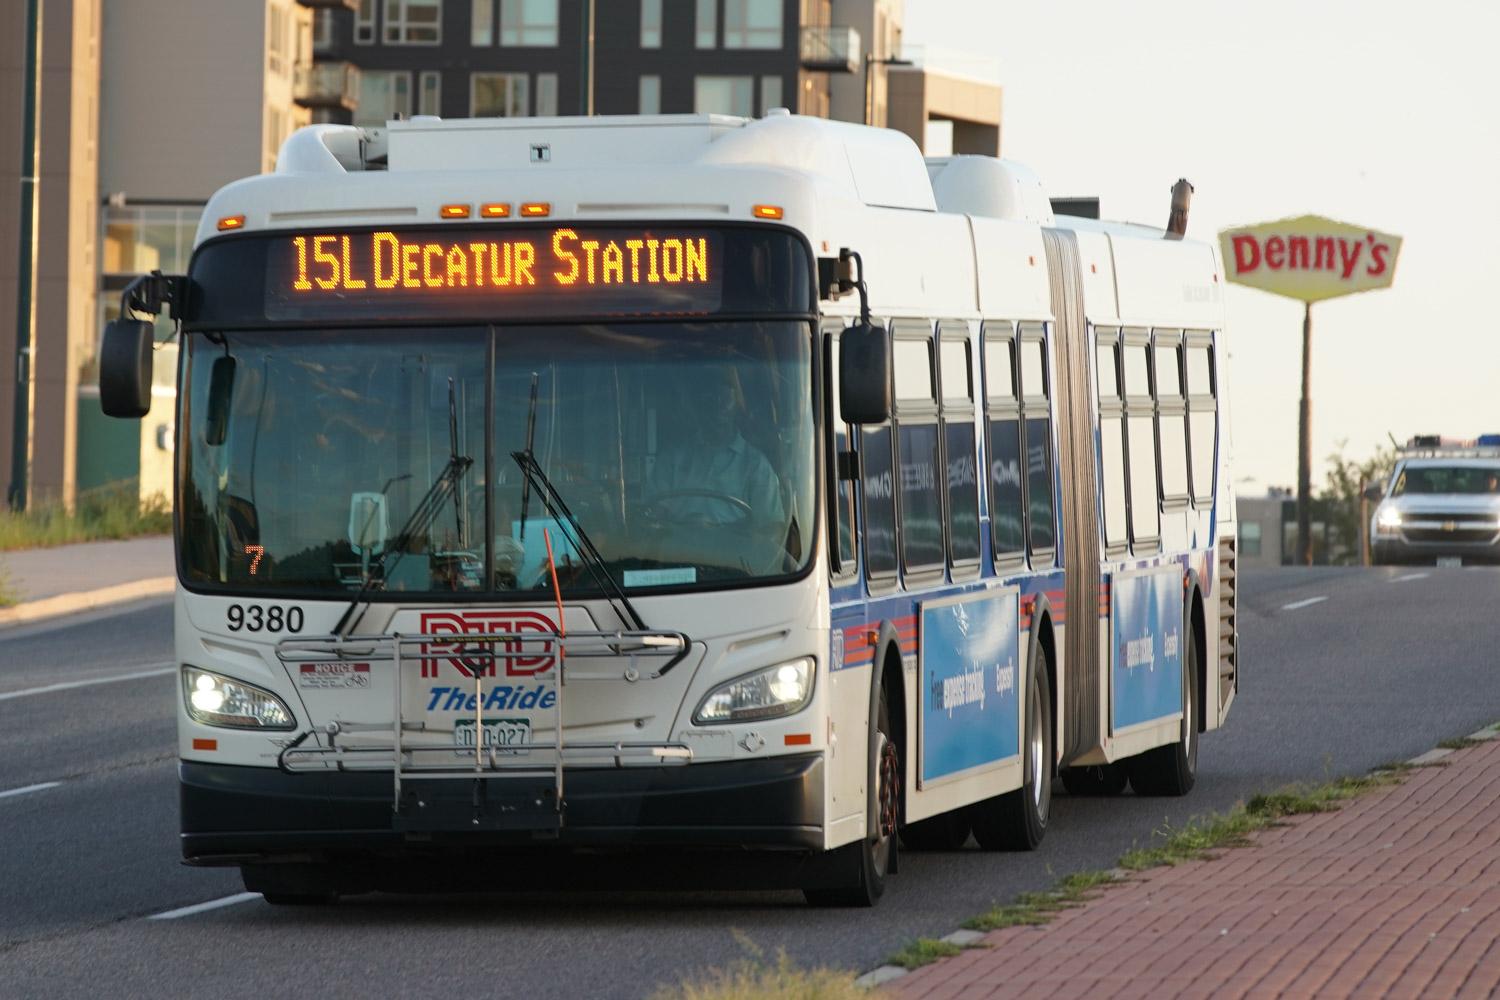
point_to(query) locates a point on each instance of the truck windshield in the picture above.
(309, 464)
(1447, 479)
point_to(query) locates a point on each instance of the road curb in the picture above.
(85, 600)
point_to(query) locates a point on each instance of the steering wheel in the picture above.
(652, 507)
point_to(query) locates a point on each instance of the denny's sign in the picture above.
(1309, 258)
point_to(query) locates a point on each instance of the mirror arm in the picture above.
(854, 282)
(147, 293)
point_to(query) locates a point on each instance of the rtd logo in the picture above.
(539, 654)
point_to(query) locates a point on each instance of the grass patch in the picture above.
(1033, 909)
(113, 511)
(756, 979)
(1461, 743)
(8, 595)
(923, 951)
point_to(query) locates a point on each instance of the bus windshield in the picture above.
(322, 462)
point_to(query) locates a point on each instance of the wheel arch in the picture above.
(1198, 621)
(888, 673)
(1044, 640)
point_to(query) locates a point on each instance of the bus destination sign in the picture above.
(472, 271)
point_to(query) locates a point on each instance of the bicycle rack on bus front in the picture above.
(534, 798)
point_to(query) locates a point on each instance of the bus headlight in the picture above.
(766, 694)
(215, 700)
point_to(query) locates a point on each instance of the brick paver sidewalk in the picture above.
(1397, 894)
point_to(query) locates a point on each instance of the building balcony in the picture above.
(327, 85)
(830, 49)
(330, 4)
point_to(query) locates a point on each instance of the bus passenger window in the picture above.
(1005, 487)
(1109, 374)
(1112, 454)
(999, 370)
(843, 517)
(912, 364)
(1168, 382)
(1145, 518)
(1171, 420)
(1137, 377)
(921, 513)
(1039, 519)
(959, 434)
(880, 502)
(1033, 368)
(1202, 416)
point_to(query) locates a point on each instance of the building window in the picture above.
(277, 42)
(650, 95)
(499, 95)
(322, 39)
(278, 125)
(707, 28)
(528, 22)
(724, 95)
(383, 95)
(430, 93)
(482, 23)
(770, 93)
(364, 23)
(1250, 539)
(413, 22)
(752, 24)
(546, 94)
(650, 24)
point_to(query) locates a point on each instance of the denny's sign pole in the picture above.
(1309, 258)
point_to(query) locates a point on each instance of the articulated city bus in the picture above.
(558, 488)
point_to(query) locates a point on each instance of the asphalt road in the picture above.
(1386, 664)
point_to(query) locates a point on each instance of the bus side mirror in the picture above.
(369, 524)
(125, 368)
(1374, 493)
(865, 374)
(220, 395)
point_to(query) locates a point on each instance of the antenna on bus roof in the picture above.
(1182, 197)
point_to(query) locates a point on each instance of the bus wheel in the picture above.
(1172, 769)
(865, 863)
(1017, 821)
(290, 885)
(1095, 779)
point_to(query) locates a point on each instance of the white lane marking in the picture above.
(212, 904)
(30, 788)
(1409, 576)
(157, 671)
(1302, 604)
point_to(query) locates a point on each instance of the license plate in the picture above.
(506, 736)
(1450, 561)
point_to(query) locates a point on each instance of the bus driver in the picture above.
(713, 475)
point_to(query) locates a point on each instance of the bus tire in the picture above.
(1173, 769)
(1017, 821)
(1095, 779)
(864, 864)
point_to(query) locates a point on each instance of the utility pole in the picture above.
(20, 446)
(1304, 445)
(586, 98)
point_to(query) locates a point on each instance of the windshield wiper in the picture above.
(577, 537)
(421, 518)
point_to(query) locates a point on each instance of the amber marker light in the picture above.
(202, 744)
(798, 739)
(536, 209)
(454, 211)
(231, 222)
(766, 211)
(495, 210)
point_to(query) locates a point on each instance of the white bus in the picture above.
(683, 484)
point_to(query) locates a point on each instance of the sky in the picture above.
(1383, 114)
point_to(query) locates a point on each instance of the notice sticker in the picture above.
(334, 675)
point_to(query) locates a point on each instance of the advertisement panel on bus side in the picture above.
(1146, 641)
(969, 677)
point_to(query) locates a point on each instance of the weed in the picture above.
(756, 979)
(113, 511)
(923, 951)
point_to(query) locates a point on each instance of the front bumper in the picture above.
(243, 815)
(1398, 550)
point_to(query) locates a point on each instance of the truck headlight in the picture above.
(765, 694)
(1388, 518)
(215, 700)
